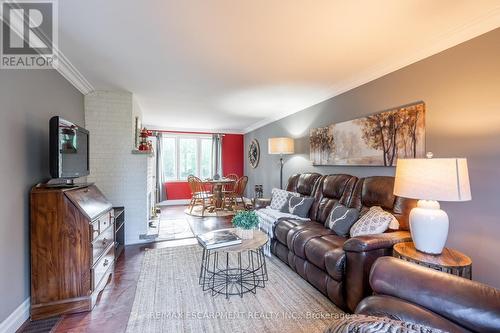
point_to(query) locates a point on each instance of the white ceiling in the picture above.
(234, 65)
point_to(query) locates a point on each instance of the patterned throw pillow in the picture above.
(394, 225)
(372, 324)
(279, 198)
(341, 219)
(374, 221)
(298, 206)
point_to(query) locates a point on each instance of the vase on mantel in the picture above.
(244, 233)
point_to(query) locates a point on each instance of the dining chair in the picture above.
(238, 192)
(199, 195)
(229, 188)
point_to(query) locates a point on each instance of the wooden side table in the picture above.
(450, 261)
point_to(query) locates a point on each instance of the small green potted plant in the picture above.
(245, 222)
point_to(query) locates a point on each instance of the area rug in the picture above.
(197, 211)
(170, 229)
(169, 299)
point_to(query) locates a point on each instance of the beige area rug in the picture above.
(170, 229)
(169, 299)
(216, 213)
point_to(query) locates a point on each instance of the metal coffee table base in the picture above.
(233, 273)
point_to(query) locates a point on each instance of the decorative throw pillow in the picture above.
(341, 219)
(394, 225)
(279, 198)
(299, 206)
(374, 221)
(372, 324)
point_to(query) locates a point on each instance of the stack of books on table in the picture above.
(219, 238)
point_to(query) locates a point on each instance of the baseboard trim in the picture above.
(174, 202)
(139, 242)
(17, 318)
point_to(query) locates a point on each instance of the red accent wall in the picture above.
(232, 162)
(177, 190)
(232, 154)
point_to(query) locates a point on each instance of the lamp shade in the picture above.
(281, 146)
(440, 179)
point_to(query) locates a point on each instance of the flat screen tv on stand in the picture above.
(68, 152)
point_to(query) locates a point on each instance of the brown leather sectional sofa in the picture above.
(337, 266)
(412, 293)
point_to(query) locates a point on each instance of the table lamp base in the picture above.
(429, 227)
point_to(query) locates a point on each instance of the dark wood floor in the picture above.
(115, 302)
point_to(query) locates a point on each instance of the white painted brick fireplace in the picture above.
(121, 175)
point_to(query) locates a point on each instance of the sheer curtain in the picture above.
(217, 154)
(160, 180)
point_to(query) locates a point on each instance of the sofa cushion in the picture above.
(304, 183)
(298, 206)
(327, 253)
(299, 236)
(341, 219)
(375, 221)
(331, 190)
(282, 228)
(378, 191)
(280, 198)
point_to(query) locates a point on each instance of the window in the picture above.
(168, 158)
(187, 158)
(184, 155)
(206, 158)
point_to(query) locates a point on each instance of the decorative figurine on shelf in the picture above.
(144, 144)
(150, 147)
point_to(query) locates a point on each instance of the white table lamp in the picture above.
(431, 180)
(281, 146)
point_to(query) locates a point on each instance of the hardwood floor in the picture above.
(115, 302)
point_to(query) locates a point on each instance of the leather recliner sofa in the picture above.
(338, 266)
(408, 292)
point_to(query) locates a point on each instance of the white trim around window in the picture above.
(198, 167)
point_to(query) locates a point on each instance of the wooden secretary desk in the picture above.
(72, 248)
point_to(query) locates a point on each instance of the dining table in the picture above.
(217, 191)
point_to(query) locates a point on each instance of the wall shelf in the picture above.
(142, 152)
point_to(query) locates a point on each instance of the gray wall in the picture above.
(28, 99)
(461, 89)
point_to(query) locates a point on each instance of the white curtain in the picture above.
(217, 154)
(160, 181)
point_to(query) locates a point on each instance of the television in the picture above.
(68, 149)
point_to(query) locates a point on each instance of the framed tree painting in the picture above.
(376, 140)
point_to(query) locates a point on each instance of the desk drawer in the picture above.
(102, 266)
(102, 242)
(100, 224)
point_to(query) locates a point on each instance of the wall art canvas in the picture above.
(376, 140)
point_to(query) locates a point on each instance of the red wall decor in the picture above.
(232, 162)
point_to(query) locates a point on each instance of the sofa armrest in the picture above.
(470, 304)
(376, 242)
(361, 253)
(398, 309)
(261, 203)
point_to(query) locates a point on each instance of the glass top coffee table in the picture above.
(235, 270)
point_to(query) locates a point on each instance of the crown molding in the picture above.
(64, 66)
(192, 130)
(73, 75)
(474, 28)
